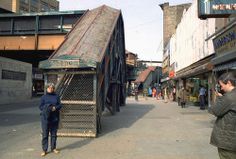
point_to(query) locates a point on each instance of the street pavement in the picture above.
(144, 129)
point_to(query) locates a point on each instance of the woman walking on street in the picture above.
(49, 107)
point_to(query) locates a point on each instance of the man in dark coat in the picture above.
(224, 131)
(183, 97)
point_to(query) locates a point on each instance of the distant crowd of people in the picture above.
(154, 92)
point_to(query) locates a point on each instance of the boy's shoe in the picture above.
(43, 154)
(56, 151)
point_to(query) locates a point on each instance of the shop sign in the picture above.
(48, 64)
(225, 42)
(65, 63)
(171, 74)
(38, 76)
(216, 8)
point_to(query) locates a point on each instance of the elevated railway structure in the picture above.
(33, 37)
(89, 71)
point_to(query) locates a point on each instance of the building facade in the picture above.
(225, 49)
(172, 16)
(15, 81)
(188, 55)
(131, 70)
(26, 6)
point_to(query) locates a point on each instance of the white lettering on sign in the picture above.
(65, 63)
(224, 6)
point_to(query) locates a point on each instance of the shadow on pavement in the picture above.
(128, 115)
(77, 144)
(126, 118)
(12, 119)
(20, 105)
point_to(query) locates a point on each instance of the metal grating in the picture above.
(78, 99)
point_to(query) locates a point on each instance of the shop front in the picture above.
(193, 77)
(193, 85)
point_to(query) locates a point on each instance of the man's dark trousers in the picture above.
(202, 102)
(46, 129)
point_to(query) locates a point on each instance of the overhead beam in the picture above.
(31, 42)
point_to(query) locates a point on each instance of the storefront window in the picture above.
(193, 86)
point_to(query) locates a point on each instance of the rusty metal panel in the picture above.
(78, 116)
(49, 42)
(17, 42)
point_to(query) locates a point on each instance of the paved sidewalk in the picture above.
(144, 129)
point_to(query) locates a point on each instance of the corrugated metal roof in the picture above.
(144, 74)
(152, 68)
(87, 42)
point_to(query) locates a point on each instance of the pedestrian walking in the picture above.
(49, 107)
(136, 92)
(202, 96)
(165, 95)
(145, 93)
(183, 97)
(149, 91)
(154, 92)
(174, 93)
(158, 94)
(179, 96)
(224, 132)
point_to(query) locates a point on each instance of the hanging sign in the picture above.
(216, 8)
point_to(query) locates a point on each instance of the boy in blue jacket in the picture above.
(49, 107)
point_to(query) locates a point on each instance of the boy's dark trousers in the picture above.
(183, 104)
(46, 129)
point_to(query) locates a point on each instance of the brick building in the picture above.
(171, 18)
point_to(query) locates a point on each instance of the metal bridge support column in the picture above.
(114, 98)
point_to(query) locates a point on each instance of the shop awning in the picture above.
(226, 66)
(224, 58)
(202, 66)
(194, 71)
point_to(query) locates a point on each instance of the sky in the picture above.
(143, 22)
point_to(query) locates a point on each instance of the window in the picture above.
(13, 75)
(35, 3)
(24, 1)
(23, 9)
